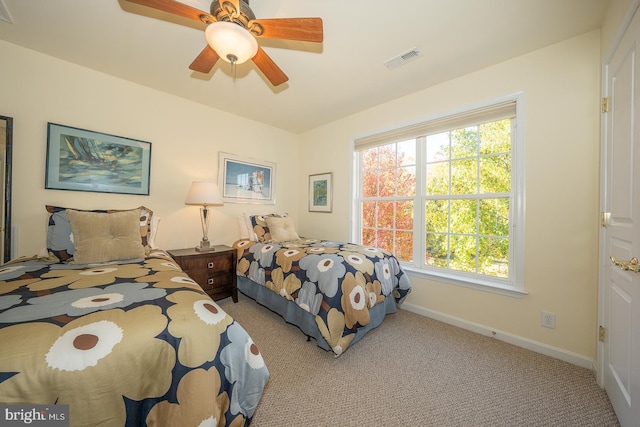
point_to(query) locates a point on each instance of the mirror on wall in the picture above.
(6, 150)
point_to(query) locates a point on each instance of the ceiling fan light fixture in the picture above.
(231, 42)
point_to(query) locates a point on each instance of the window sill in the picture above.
(472, 283)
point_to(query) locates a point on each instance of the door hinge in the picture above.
(601, 333)
(605, 104)
(605, 219)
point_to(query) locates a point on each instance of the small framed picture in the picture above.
(320, 192)
(246, 180)
(84, 160)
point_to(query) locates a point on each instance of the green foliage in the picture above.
(467, 209)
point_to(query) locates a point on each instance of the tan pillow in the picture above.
(146, 224)
(258, 227)
(102, 237)
(281, 229)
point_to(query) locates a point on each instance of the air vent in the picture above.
(403, 58)
(4, 13)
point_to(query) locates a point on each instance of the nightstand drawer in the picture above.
(208, 281)
(211, 263)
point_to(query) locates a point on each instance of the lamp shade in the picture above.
(231, 42)
(204, 193)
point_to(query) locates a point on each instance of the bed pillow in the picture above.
(103, 237)
(59, 235)
(260, 228)
(153, 232)
(60, 238)
(242, 225)
(281, 229)
(248, 224)
(147, 229)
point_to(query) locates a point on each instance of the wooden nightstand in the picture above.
(214, 271)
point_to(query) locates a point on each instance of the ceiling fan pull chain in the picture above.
(233, 60)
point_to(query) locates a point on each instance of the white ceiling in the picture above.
(343, 75)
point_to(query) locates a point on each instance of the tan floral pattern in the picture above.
(321, 250)
(86, 355)
(170, 279)
(6, 287)
(374, 291)
(355, 302)
(333, 331)
(161, 264)
(209, 412)
(192, 317)
(370, 251)
(85, 278)
(286, 257)
(241, 245)
(358, 261)
(285, 287)
(243, 266)
(122, 344)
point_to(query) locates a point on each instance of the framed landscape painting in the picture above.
(246, 180)
(320, 192)
(83, 160)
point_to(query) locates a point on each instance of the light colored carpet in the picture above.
(415, 371)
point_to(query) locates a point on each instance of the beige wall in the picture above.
(561, 84)
(186, 138)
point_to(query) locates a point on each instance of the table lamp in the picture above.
(204, 194)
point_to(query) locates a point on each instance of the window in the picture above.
(445, 196)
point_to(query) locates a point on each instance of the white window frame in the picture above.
(514, 285)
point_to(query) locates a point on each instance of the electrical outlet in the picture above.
(548, 319)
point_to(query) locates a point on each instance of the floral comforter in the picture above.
(137, 343)
(339, 283)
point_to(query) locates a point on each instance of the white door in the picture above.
(620, 305)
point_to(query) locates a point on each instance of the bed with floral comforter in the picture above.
(133, 343)
(334, 291)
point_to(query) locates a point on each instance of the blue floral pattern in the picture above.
(15, 270)
(77, 302)
(340, 282)
(238, 359)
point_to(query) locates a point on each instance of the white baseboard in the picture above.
(555, 352)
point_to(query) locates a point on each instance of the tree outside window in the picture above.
(443, 200)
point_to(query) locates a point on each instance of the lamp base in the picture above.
(205, 246)
(209, 249)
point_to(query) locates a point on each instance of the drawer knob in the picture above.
(210, 281)
(210, 265)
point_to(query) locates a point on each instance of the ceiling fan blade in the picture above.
(303, 29)
(176, 8)
(205, 61)
(269, 68)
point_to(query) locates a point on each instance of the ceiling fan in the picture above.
(231, 33)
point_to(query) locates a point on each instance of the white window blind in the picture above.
(468, 118)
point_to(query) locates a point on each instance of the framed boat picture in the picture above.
(84, 160)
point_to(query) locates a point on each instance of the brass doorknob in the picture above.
(631, 265)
